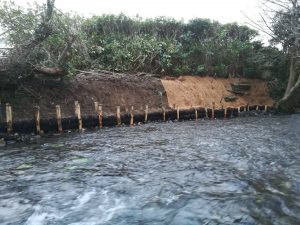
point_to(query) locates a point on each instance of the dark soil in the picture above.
(109, 89)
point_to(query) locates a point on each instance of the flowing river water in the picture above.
(239, 171)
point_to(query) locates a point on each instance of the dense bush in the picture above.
(120, 43)
(163, 45)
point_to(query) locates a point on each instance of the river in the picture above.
(239, 171)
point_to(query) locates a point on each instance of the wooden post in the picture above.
(206, 113)
(239, 110)
(213, 110)
(178, 114)
(131, 116)
(248, 107)
(119, 122)
(58, 118)
(164, 114)
(257, 108)
(225, 113)
(8, 118)
(78, 114)
(245, 108)
(146, 113)
(196, 114)
(266, 108)
(100, 116)
(96, 105)
(37, 118)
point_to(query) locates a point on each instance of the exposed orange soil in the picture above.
(191, 91)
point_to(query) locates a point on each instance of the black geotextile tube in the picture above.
(219, 113)
(171, 115)
(25, 126)
(252, 107)
(261, 108)
(201, 113)
(91, 121)
(2, 128)
(125, 118)
(139, 118)
(209, 113)
(155, 116)
(186, 114)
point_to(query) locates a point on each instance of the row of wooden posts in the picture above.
(99, 111)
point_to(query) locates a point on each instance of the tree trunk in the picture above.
(292, 76)
(289, 102)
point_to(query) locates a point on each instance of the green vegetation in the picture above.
(162, 45)
(50, 42)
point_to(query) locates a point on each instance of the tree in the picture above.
(287, 30)
(283, 26)
(43, 39)
(47, 41)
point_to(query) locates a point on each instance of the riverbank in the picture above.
(191, 95)
(126, 90)
(109, 89)
(25, 130)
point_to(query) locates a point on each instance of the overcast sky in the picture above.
(224, 11)
(221, 10)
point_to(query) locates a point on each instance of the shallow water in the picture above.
(239, 171)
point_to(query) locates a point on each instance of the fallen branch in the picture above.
(50, 71)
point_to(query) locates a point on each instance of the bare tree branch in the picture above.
(278, 3)
(258, 26)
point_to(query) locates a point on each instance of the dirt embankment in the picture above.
(191, 91)
(112, 90)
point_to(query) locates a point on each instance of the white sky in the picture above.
(224, 11)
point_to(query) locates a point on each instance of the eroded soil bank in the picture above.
(112, 90)
(191, 91)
